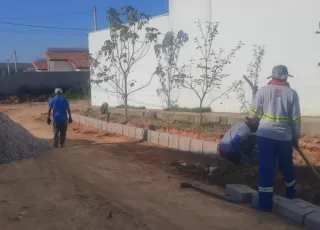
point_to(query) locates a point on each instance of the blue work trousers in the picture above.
(271, 153)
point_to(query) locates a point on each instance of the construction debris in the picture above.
(10, 100)
(16, 143)
(24, 98)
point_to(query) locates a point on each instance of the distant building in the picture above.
(40, 65)
(63, 59)
(21, 67)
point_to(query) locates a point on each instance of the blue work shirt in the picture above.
(235, 137)
(59, 105)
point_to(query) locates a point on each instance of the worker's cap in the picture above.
(280, 72)
(58, 90)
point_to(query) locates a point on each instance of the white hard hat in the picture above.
(58, 90)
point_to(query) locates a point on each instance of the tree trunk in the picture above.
(125, 98)
(126, 107)
(168, 101)
(89, 93)
(201, 113)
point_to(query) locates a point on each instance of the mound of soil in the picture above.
(16, 143)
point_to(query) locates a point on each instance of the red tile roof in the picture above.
(40, 65)
(79, 60)
(80, 64)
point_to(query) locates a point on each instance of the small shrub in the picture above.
(131, 107)
(74, 94)
(190, 110)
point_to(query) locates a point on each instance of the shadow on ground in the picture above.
(166, 159)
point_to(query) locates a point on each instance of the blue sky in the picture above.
(31, 42)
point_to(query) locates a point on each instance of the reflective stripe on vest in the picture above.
(255, 111)
(291, 183)
(265, 189)
(276, 118)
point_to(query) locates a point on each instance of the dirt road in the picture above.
(108, 182)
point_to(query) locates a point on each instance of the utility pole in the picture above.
(95, 23)
(8, 65)
(15, 61)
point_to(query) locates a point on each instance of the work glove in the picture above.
(70, 120)
(49, 121)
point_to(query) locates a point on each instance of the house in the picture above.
(63, 60)
(40, 65)
(286, 31)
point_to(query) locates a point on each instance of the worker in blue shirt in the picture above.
(238, 144)
(60, 107)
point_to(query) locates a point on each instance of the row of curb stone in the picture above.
(297, 210)
(182, 143)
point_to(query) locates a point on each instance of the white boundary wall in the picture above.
(286, 27)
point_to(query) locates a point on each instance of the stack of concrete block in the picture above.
(177, 142)
(299, 211)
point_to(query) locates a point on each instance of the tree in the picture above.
(126, 47)
(211, 65)
(318, 32)
(168, 55)
(251, 78)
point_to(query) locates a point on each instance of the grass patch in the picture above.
(189, 110)
(75, 94)
(130, 107)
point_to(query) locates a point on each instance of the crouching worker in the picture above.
(60, 107)
(237, 142)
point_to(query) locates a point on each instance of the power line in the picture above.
(49, 16)
(44, 27)
(38, 32)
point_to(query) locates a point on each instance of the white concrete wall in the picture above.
(286, 27)
(141, 72)
(58, 66)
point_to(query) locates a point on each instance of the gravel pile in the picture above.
(16, 143)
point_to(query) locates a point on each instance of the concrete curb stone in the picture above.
(291, 209)
(75, 117)
(82, 120)
(111, 128)
(86, 120)
(312, 221)
(196, 146)
(210, 148)
(125, 130)
(132, 132)
(93, 122)
(99, 124)
(140, 133)
(164, 139)
(104, 126)
(153, 136)
(240, 193)
(119, 129)
(174, 141)
(184, 143)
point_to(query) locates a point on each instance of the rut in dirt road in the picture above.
(16, 143)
